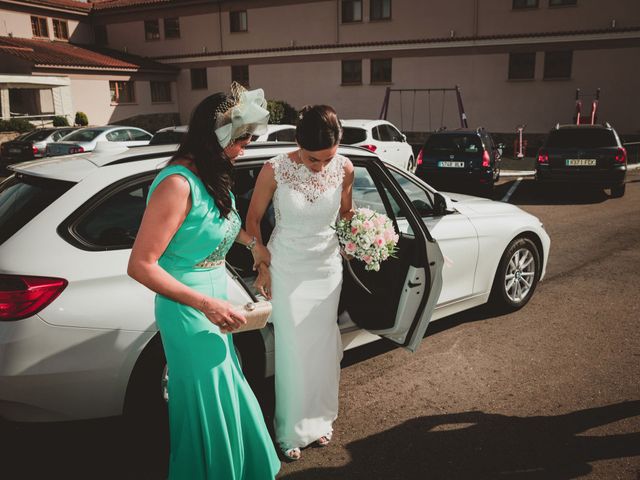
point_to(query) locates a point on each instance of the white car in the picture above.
(382, 138)
(274, 133)
(77, 335)
(86, 139)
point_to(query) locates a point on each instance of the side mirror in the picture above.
(441, 205)
(404, 137)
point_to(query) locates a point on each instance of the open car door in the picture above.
(399, 299)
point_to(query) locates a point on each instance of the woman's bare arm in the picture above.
(262, 195)
(346, 199)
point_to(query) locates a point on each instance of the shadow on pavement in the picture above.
(477, 445)
(530, 192)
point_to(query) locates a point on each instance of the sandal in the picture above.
(291, 454)
(324, 440)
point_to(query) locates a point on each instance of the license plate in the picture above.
(15, 150)
(448, 164)
(580, 162)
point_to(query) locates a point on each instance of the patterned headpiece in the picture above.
(244, 112)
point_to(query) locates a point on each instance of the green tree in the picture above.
(60, 121)
(280, 112)
(81, 119)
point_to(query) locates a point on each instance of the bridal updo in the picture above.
(318, 128)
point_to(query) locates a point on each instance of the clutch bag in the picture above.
(256, 314)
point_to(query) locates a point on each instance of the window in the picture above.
(240, 74)
(100, 33)
(562, 3)
(381, 70)
(352, 135)
(198, 78)
(286, 135)
(558, 64)
(160, 91)
(520, 4)
(380, 10)
(138, 135)
(352, 72)
(122, 92)
(390, 134)
(576, 138)
(151, 30)
(522, 65)
(238, 21)
(351, 11)
(121, 135)
(114, 221)
(39, 27)
(172, 28)
(60, 29)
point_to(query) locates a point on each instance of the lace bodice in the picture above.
(306, 207)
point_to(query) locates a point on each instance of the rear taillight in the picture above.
(22, 296)
(35, 149)
(419, 160)
(486, 161)
(621, 155)
(543, 157)
(371, 148)
(76, 150)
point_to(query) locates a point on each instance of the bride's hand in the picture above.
(260, 254)
(263, 282)
(345, 255)
(222, 314)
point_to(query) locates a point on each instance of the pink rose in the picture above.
(367, 224)
(379, 241)
(354, 230)
(350, 248)
(367, 259)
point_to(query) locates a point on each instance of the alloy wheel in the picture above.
(520, 275)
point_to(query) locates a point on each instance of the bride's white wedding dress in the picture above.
(306, 276)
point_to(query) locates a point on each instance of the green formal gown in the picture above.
(217, 430)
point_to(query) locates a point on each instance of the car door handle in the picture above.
(410, 284)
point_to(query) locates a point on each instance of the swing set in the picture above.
(429, 92)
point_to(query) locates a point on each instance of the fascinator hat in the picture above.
(243, 113)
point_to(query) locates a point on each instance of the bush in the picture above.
(280, 112)
(16, 125)
(81, 119)
(60, 121)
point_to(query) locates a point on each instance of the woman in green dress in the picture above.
(216, 427)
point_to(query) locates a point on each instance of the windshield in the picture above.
(166, 138)
(453, 143)
(83, 135)
(588, 138)
(22, 198)
(352, 135)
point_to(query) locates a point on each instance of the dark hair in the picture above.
(201, 145)
(318, 128)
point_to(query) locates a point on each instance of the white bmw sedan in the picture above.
(77, 335)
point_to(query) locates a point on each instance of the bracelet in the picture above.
(252, 244)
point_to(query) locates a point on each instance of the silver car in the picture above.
(86, 139)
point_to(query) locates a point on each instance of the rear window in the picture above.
(83, 135)
(37, 135)
(588, 138)
(352, 135)
(167, 138)
(453, 143)
(22, 198)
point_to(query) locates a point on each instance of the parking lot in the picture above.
(550, 391)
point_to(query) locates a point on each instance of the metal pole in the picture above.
(385, 104)
(463, 116)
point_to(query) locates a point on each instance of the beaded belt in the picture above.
(210, 264)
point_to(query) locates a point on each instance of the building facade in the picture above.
(516, 61)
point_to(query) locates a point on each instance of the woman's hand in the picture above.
(222, 314)
(260, 254)
(263, 282)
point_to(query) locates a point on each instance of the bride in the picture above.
(310, 188)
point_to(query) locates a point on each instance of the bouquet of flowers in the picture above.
(368, 236)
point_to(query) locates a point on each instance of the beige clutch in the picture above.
(256, 314)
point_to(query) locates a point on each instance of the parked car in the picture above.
(382, 138)
(169, 135)
(30, 145)
(277, 133)
(466, 158)
(78, 337)
(86, 139)
(584, 154)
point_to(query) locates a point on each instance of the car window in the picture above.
(385, 133)
(38, 135)
(375, 133)
(85, 135)
(138, 135)
(453, 143)
(352, 135)
(286, 135)
(395, 135)
(419, 196)
(118, 136)
(166, 138)
(22, 198)
(56, 136)
(113, 223)
(587, 138)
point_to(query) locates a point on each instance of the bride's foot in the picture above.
(291, 454)
(324, 440)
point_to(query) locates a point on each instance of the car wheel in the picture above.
(617, 191)
(517, 275)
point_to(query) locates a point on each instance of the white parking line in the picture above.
(511, 190)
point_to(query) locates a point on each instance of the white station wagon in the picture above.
(77, 335)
